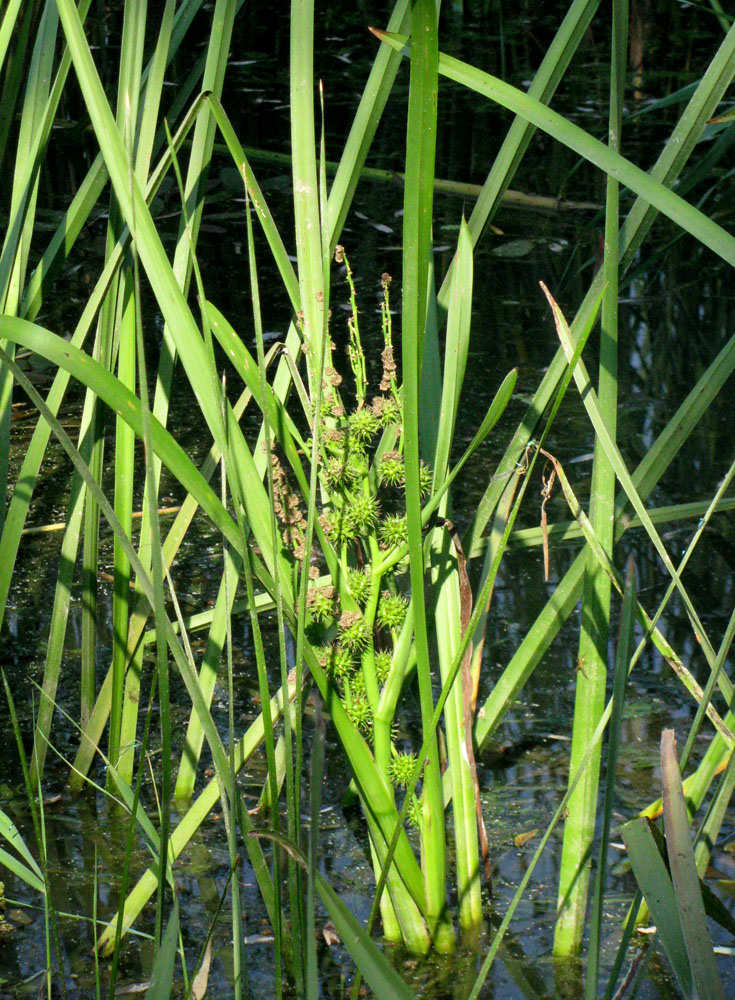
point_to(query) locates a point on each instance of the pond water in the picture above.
(677, 310)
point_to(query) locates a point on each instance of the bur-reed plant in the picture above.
(338, 515)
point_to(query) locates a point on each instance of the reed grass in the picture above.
(335, 515)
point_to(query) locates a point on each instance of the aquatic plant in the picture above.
(336, 518)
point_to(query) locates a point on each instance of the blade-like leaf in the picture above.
(162, 979)
(705, 977)
(615, 165)
(655, 883)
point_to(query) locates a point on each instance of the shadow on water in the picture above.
(677, 310)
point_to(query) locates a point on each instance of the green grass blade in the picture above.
(260, 394)
(452, 593)
(305, 182)
(184, 259)
(153, 92)
(107, 387)
(574, 872)
(370, 960)
(121, 742)
(567, 593)
(315, 803)
(151, 251)
(489, 958)
(451, 610)
(96, 178)
(19, 232)
(616, 461)
(31, 136)
(57, 628)
(13, 67)
(567, 531)
(622, 664)
(367, 117)
(29, 872)
(191, 821)
(455, 354)
(278, 250)
(17, 867)
(7, 26)
(417, 219)
(565, 43)
(647, 187)
(705, 977)
(667, 168)
(655, 883)
(162, 977)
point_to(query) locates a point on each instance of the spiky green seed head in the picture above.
(393, 531)
(360, 586)
(392, 610)
(383, 663)
(391, 412)
(357, 685)
(339, 526)
(363, 511)
(361, 716)
(413, 816)
(392, 470)
(401, 768)
(336, 661)
(321, 603)
(425, 478)
(343, 661)
(339, 475)
(355, 631)
(364, 425)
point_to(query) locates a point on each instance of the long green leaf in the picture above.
(655, 882)
(655, 193)
(417, 236)
(122, 401)
(622, 664)
(591, 679)
(162, 977)
(567, 592)
(29, 872)
(705, 977)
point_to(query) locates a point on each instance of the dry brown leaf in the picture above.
(329, 933)
(199, 983)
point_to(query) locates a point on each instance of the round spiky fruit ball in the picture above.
(364, 425)
(392, 610)
(360, 586)
(363, 512)
(393, 531)
(401, 768)
(392, 471)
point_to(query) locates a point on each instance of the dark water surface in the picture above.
(677, 311)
